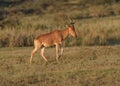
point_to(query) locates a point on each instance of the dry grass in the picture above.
(79, 66)
(95, 31)
(100, 31)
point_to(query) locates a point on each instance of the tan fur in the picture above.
(53, 38)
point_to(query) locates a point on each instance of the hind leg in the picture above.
(42, 54)
(37, 46)
(32, 53)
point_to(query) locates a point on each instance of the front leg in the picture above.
(61, 51)
(57, 52)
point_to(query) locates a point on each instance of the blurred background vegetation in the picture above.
(97, 21)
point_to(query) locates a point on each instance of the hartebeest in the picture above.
(53, 38)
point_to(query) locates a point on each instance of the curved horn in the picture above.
(71, 20)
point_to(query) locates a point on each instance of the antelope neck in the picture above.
(65, 33)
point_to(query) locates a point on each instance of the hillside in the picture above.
(11, 11)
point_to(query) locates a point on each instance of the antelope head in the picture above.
(72, 29)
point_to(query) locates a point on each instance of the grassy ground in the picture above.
(79, 66)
